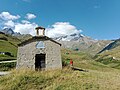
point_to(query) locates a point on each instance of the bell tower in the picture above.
(40, 31)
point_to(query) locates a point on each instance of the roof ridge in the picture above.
(36, 38)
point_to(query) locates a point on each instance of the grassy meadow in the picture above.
(65, 79)
(8, 44)
(95, 76)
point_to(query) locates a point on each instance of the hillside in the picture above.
(74, 41)
(95, 76)
(10, 32)
(24, 37)
(112, 45)
(8, 43)
(114, 53)
(110, 57)
(90, 73)
(92, 47)
(61, 80)
(82, 43)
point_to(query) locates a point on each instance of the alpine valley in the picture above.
(96, 64)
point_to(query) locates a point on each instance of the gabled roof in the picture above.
(37, 38)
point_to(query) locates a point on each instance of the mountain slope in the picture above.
(8, 43)
(112, 45)
(95, 76)
(110, 55)
(82, 43)
(74, 37)
(113, 53)
(74, 41)
(9, 31)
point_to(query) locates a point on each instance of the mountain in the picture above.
(110, 55)
(9, 31)
(82, 43)
(22, 37)
(74, 37)
(8, 43)
(112, 45)
(74, 41)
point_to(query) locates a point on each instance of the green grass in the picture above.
(82, 60)
(110, 58)
(65, 79)
(6, 58)
(111, 53)
(99, 76)
(7, 66)
(8, 44)
(110, 62)
(5, 46)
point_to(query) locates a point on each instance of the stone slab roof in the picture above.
(37, 38)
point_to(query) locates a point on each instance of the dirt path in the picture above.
(8, 61)
(3, 73)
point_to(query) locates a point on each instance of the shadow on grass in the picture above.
(78, 69)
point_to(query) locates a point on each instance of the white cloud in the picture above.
(9, 24)
(25, 28)
(30, 16)
(58, 29)
(8, 16)
(61, 28)
(25, 21)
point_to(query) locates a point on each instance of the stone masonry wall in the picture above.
(53, 55)
(26, 55)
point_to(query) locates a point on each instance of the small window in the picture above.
(40, 44)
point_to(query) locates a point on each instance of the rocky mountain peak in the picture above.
(10, 31)
(71, 37)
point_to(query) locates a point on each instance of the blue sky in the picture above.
(99, 19)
